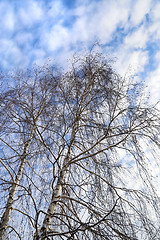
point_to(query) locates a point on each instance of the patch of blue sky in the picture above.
(117, 38)
(69, 22)
(152, 49)
(69, 3)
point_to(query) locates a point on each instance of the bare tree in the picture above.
(85, 171)
(22, 107)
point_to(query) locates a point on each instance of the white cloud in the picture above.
(55, 9)
(137, 39)
(39, 56)
(100, 20)
(81, 30)
(56, 38)
(140, 9)
(10, 53)
(155, 12)
(138, 60)
(153, 26)
(7, 22)
(30, 13)
(154, 30)
(153, 83)
(41, 25)
(157, 57)
(24, 39)
(130, 61)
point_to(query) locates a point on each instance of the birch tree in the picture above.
(22, 107)
(91, 142)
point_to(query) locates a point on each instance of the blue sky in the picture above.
(31, 31)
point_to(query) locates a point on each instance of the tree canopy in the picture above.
(77, 148)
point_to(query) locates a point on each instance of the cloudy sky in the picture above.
(31, 31)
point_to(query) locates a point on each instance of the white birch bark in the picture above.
(7, 213)
(56, 194)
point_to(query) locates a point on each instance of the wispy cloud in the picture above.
(32, 31)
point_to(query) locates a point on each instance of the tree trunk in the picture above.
(56, 194)
(52, 207)
(7, 213)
